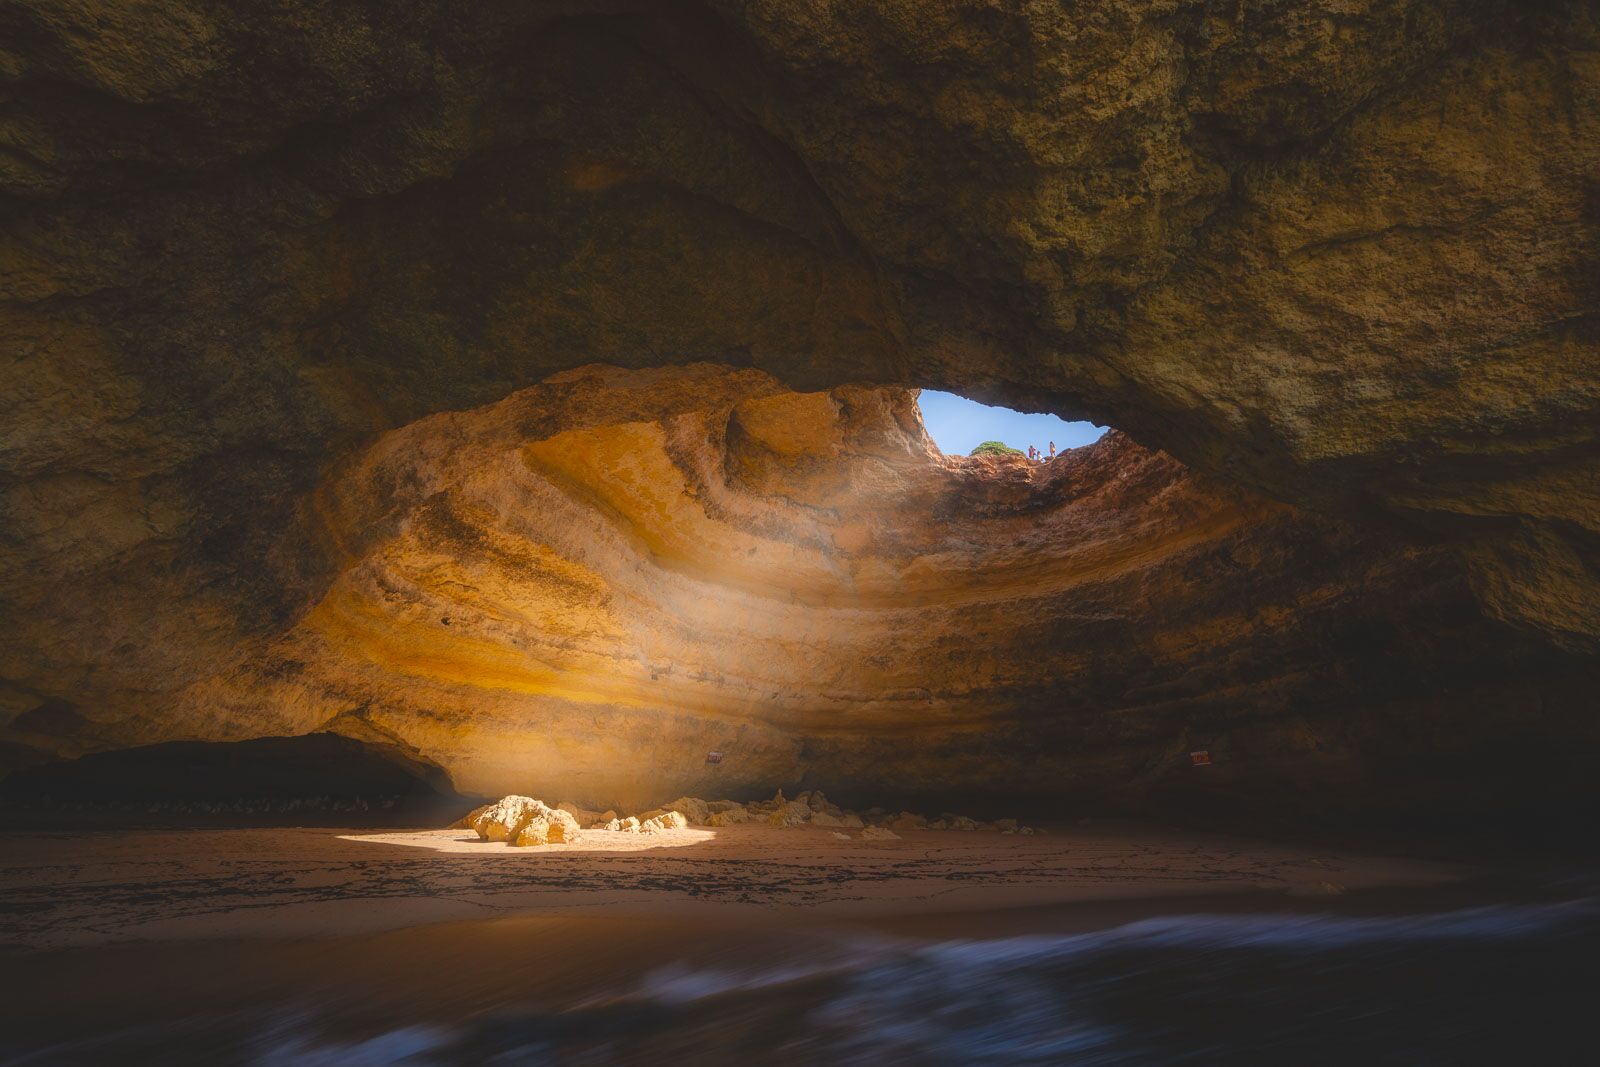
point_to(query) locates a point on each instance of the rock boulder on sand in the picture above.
(767, 807)
(559, 828)
(469, 821)
(792, 813)
(523, 821)
(697, 811)
(671, 820)
(693, 809)
(731, 816)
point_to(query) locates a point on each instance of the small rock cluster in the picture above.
(655, 824)
(519, 820)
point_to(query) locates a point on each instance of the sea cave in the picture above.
(474, 556)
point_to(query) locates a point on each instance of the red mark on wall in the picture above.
(1200, 757)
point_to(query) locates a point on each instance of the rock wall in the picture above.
(1339, 252)
(589, 587)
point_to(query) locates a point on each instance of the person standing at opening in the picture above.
(1033, 454)
(1052, 450)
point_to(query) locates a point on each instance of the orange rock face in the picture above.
(587, 588)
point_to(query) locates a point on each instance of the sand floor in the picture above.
(61, 890)
(243, 945)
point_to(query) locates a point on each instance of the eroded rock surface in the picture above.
(1340, 252)
(590, 586)
(601, 580)
(524, 821)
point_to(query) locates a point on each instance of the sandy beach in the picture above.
(340, 946)
(84, 889)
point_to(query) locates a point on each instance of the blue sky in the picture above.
(958, 425)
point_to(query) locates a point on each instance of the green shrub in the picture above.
(996, 448)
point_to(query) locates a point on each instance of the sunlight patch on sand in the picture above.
(467, 842)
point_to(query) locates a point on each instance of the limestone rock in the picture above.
(767, 807)
(557, 828)
(530, 823)
(695, 810)
(671, 820)
(469, 821)
(848, 820)
(648, 824)
(354, 362)
(734, 816)
(520, 820)
(817, 802)
(792, 813)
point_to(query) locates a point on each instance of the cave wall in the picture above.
(584, 589)
(1340, 252)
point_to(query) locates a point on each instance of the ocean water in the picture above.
(1502, 985)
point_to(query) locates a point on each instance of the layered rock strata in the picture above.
(590, 587)
(1340, 252)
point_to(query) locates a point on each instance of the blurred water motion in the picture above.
(1505, 984)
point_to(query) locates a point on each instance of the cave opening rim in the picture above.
(958, 424)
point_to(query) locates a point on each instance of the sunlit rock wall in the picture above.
(585, 589)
